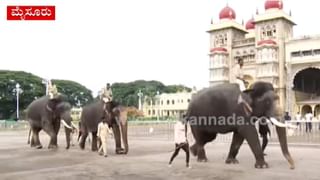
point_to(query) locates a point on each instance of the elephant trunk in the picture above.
(281, 131)
(68, 135)
(124, 133)
(68, 129)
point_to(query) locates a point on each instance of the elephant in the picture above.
(224, 108)
(92, 114)
(46, 114)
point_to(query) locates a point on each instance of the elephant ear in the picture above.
(63, 107)
(51, 105)
(245, 102)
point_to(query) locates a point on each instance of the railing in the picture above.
(243, 42)
(307, 132)
(13, 125)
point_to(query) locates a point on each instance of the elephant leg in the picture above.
(83, 139)
(35, 140)
(117, 138)
(250, 134)
(32, 143)
(194, 149)
(202, 157)
(94, 146)
(237, 141)
(49, 129)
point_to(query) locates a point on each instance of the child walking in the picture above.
(180, 140)
(103, 132)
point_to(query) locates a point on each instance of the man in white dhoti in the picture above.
(103, 133)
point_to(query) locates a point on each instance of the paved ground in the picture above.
(147, 159)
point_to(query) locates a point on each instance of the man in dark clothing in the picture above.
(264, 131)
(181, 141)
(287, 117)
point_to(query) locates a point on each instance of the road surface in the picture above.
(147, 159)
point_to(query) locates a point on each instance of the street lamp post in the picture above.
(158, 105)
(46, 82)
(18, 91)
(140, 94)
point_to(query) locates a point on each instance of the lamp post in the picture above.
(46, 82)
(18, 90)
(140, 94)
(158, 104)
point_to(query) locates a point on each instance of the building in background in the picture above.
(76, 113)
(167, 105)
(270, 53)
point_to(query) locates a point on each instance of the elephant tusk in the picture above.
(65, 124)
(280, 124)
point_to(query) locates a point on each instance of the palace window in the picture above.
(296, 54)
(307, 53)
(316, 51)
(268, 31)
(221, 40)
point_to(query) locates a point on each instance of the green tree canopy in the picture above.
(30, 84)
(32, 88)
(77, 94)
(127, 93)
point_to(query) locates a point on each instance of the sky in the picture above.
(98, 41)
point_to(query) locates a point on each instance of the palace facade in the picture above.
(167, 104)
(271, 53)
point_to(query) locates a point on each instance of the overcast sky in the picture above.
(99, 41)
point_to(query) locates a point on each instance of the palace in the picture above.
(270, 53)
(167, 104)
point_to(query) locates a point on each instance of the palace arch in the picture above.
(306, 87)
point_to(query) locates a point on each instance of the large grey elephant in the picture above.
(116, 116)
(224, 108)
(46, 114)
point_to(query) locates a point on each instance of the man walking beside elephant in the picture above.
(181, 142)
(103, 132)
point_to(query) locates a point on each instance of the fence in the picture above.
(164, 130)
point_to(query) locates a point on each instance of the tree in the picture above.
(127, 93)
(33, 88)
(176, 88)
(31, 85)
(77, 94)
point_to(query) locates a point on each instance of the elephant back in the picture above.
(36, 106)
(91, 116)
(36, 109)
(220, 100)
